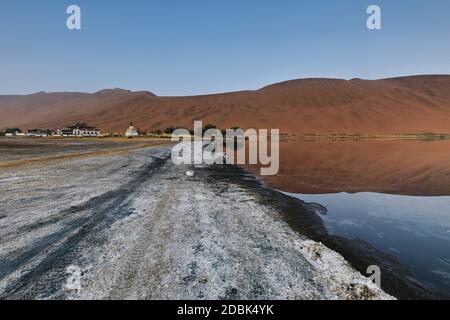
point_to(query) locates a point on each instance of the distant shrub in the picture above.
(13, 130)
(157, 132)
(169, 130)
(224, 132)
(191, 131)
(208, 127)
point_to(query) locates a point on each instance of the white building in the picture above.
(15, 133)
(38, 133)
(131, 132)
(79, 130)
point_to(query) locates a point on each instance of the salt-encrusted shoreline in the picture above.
(136, 226)
(302, 217)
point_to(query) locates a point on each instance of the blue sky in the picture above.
(205, 46)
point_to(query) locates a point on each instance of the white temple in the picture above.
(131, 132)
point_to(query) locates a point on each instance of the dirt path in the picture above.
(134, 267)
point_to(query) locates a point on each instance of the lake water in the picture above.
(393, 194)
(414, 229)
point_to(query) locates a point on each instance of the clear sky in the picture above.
(190, 47)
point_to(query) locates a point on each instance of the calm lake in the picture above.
(393, 194)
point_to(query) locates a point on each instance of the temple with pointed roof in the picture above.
(131, 131)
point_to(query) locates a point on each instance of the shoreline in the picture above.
(300, 216)
(153, 232)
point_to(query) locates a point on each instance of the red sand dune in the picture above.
(397, 105)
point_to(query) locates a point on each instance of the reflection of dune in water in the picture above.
(384, 166)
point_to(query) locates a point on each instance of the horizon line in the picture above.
(225, 92)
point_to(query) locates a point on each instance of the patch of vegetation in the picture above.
(428, 136)
(169, 130)
(13, 130)
(167, 133)
(208, 127)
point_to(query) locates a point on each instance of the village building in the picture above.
(38, 133)
(132, 131)
(79, 130)
(14, 132)
(65, 132)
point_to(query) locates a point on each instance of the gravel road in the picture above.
(135, 226)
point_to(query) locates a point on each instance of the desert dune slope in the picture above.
(414, 104)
